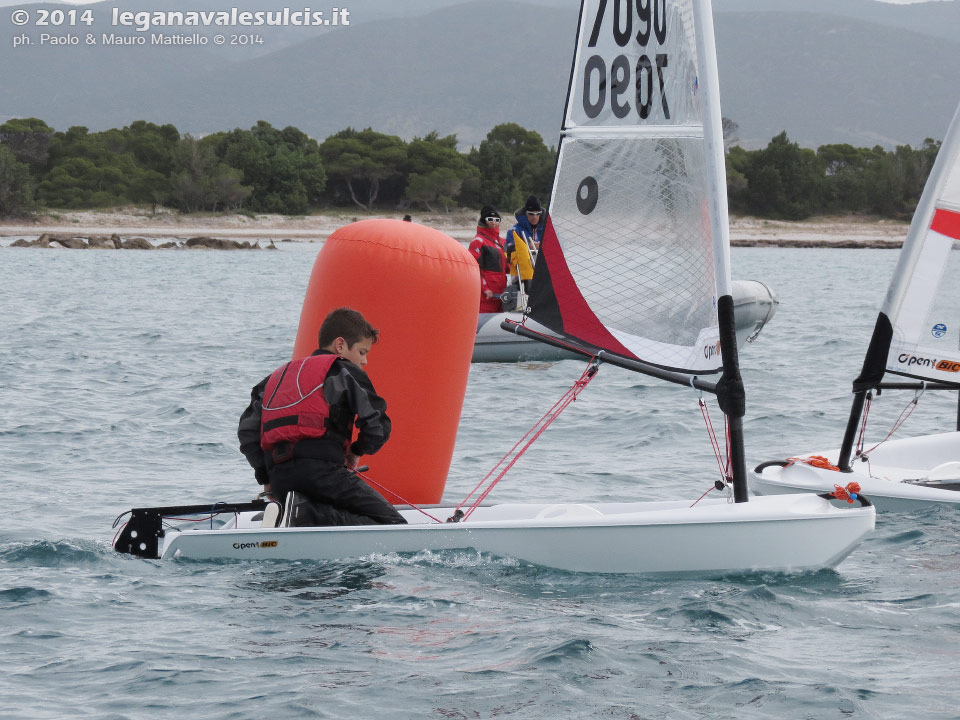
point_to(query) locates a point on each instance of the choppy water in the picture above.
(123, 375)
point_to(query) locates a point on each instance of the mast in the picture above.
(870, 376)
(730, 392)
(921, 250)
(635, 260)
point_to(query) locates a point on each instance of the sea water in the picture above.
(123, 375)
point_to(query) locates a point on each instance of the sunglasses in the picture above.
(492, 219)
(534, 212)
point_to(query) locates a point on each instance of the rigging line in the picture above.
(544, 422)
(705, 493)
(901, 419)
(712, 435)
(726, 431)
(510, 451)
(367, 478)
(863, 424)
(506, 469)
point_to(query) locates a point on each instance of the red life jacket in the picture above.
(293, 404)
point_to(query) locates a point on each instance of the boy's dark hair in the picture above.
(346, 323)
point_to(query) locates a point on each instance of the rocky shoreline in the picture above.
(137, 228)
(115, 242)
(849, 244)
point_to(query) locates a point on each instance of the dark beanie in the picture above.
(487, 211)
(533, 204)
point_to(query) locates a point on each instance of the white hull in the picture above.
(754, 304)
(882, 479)
(797, 533)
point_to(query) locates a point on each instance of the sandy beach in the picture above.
(141, 222)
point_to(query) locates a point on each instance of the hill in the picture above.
(854, 71)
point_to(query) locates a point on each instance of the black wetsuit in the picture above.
(315, 466)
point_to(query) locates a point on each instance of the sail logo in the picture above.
(939, 330)
(909, 360)
(261, 544)
(711, 351)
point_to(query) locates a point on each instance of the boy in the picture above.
(296, 433)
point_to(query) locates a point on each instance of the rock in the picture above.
(21, 243)
(74, 243)
(172, 245)
(100, 242)
(137, 244)
(210, 243)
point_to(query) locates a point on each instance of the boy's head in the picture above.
(345, 332)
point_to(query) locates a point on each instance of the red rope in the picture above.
(712, 434)
(817, 461)
(536, 431)
(849, 493)
(715, 444)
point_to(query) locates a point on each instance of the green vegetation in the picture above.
(268, 170)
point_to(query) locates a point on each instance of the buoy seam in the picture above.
(413, 252)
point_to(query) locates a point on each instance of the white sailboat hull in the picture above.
(883, 479)
(754, 304)
(796, 533)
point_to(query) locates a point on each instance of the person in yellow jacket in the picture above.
(523, 241)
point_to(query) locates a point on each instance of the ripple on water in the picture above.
(48, 553)
(23, 596)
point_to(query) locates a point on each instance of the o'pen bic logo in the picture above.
(939, 330)
(261, 544)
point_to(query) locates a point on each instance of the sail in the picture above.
(923, 301)
(636, 247)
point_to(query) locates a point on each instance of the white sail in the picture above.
(923, 302)
(636, 248)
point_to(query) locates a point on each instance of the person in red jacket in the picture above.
(487, 248)
(297, 432)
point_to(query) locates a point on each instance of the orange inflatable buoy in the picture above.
(419, 287)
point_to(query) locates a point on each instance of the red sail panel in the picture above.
(946, 222)
(576, 319)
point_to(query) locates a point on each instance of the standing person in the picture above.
(523, 241)
(487, 248)
(296, 433)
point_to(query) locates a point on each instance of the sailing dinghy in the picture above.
(641, 182)
(917, 335)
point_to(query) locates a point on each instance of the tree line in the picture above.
(268, 170)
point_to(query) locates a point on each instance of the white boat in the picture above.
(638, 175)
(802, 532)
(754, 302)
(917, 335)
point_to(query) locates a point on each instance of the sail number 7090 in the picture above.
(651, 19)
